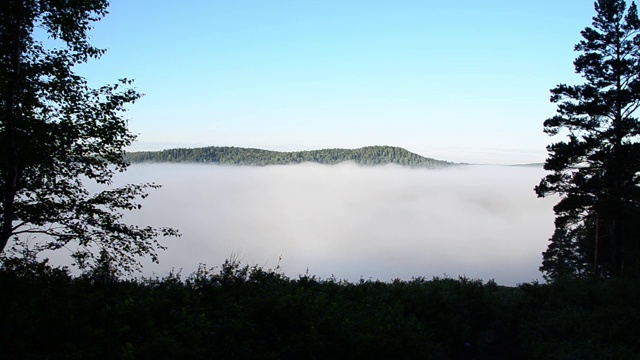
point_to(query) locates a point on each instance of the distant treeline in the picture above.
(370, 155)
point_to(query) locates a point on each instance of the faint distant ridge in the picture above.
(529, 165)
(229, 155)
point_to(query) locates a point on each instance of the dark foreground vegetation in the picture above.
(230, 155)
(238, 311)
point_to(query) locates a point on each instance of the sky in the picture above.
(464, 81)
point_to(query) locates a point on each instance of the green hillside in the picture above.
(370, 155)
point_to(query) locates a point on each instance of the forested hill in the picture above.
(370, 155)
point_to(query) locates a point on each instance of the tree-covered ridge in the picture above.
(370, 155)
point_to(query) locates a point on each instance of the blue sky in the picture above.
(461, 81)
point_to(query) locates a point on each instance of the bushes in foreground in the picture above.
(239, 311)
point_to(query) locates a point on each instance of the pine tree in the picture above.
(595, 170)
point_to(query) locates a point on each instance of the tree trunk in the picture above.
(11, 176)
(617, 250)
(597, 247)
(12, 44)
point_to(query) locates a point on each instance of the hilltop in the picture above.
(225, 155)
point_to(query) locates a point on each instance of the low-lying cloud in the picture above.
(351, 222)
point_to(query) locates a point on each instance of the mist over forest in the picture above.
(350, 221)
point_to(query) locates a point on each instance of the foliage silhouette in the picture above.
(57, 134)
(595, 170)
(241, 311)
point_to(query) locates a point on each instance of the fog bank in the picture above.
(351, 222)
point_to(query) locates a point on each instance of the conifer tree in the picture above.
(595, 170)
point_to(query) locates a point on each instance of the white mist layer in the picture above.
(351, 222)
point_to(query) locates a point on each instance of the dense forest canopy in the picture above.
(370, 155)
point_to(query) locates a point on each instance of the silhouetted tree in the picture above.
(596, 170)
(57, 133)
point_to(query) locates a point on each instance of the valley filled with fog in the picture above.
(350, 221)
